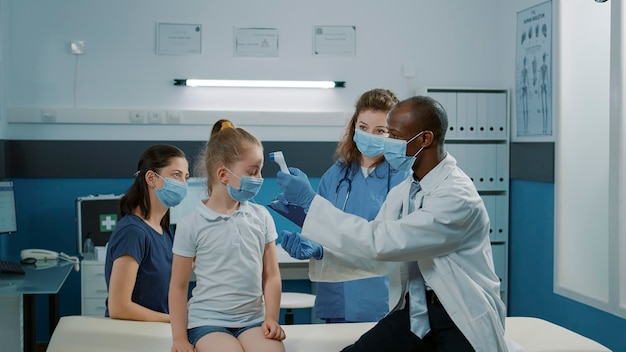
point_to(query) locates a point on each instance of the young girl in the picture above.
(230, 245)
(139, 254)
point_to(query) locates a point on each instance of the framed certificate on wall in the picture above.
(178, 39)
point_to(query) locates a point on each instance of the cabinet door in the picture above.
(94, 285)
(94, 307)
(93, 288)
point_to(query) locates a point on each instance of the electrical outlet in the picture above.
(174, 116)
(77, 47)
(48, 116)
(421, 91)
(155, 117)
(408, 71)
(136, 116)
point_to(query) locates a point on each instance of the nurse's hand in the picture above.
(296, 187)
(300, 248)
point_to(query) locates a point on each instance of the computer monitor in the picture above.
(8, 219)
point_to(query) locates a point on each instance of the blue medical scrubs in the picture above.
(363, 300)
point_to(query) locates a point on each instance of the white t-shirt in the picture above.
(229, 263)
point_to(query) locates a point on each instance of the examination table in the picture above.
(94, 334)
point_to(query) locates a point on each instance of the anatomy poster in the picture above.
(533, 73)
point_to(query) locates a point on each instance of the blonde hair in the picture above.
(227, 145)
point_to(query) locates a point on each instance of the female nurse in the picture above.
(357, 183)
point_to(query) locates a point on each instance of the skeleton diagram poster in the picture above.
(533, 73)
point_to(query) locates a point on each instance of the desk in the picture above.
(23, 288)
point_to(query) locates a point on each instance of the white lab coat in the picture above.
(447, 235)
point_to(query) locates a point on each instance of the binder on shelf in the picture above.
(492, 115)
(470, 117)
(462, 107)
(449, 103)
(489, 166)
(482, 130)
(490, 205)
(499, 259)
(500, 118)
(502, 166)
(502, 218)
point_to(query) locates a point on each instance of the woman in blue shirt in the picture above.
(357, 183)
(139, 253)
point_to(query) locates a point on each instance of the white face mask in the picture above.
(172, 193)
(395, 153)
(248, 188)
(369, 144)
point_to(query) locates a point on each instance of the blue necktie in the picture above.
(415, 187)
(417, 291)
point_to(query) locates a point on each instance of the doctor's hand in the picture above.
(299, 247)
(296, 187)
(279, 203)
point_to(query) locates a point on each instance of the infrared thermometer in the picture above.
(279, 159)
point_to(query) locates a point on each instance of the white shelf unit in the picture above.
(93, 288)
(478, 138)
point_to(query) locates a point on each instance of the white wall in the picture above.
(453, 43)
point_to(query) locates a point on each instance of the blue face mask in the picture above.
(172, 193)
(395, 153)
(248, 188)
(369, 144)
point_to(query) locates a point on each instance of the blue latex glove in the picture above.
(296, 188)
(279, 203)
(298, 247)
(294, 213)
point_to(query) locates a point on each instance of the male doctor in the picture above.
(431, 235)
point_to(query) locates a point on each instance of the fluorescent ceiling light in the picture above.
(258, 84)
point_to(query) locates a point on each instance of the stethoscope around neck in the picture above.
(348, 175)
